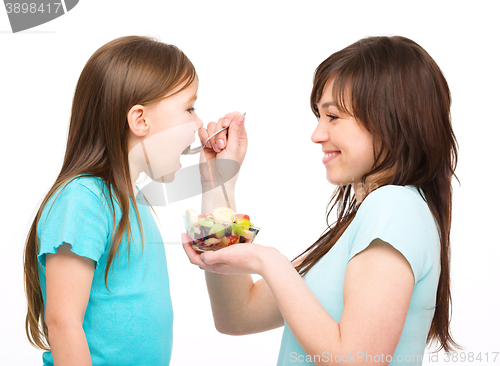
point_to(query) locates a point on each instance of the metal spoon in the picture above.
(189, 151)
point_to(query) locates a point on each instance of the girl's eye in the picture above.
(332, 117)
(191, 110)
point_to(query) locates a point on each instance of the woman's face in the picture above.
(170, 126)
(347, 145)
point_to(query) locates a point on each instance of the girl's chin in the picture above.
(167, 178)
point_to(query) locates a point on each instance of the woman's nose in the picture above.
(319, 135)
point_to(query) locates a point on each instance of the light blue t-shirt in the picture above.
(132, 324)
(399, 216)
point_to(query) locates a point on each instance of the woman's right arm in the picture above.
(239, 306)
(69, 279)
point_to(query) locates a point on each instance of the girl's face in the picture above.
(346, 143)
(162, 131)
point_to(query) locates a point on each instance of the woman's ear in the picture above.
(137, 122)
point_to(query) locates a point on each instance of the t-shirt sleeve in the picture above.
(77, 217)
(397, 216)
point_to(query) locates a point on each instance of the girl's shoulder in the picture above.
(88, 185)
(81, 192)
(91, 182)
(75, 214)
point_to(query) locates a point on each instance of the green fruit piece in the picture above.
(197, 230)
(205, 222)
(237, 230)
(218, 230)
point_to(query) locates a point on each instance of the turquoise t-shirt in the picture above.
(132, 324)
(399, 216)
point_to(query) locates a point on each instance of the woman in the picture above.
(375, 288)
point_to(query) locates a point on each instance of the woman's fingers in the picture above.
(215, 139)
(219, 142)
(235, 132)
(193, 256)
(210, 130)
(203, 135)
(222, 136)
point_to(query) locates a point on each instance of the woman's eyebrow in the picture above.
(327, 104)
(193, 98)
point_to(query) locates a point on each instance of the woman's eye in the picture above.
(332, 117)
(191, 110)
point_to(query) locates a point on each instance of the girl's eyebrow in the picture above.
(193, 98)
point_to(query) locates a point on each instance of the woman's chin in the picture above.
(335, 180)
(332, 179)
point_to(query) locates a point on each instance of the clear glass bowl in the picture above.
(210, 234)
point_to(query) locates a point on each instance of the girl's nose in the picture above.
(199, 123)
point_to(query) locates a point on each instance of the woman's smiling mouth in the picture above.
(330, 155)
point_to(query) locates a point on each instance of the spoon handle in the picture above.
(189, 151)
(215, 133)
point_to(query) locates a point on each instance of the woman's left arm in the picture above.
(378, 285)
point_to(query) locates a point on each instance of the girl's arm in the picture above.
(378, 286)
(69, 279)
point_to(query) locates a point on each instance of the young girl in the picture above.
(375, 288)
(93, 296)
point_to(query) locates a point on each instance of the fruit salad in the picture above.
(219, 229)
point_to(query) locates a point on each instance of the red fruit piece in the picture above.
(240, 217)
(243, 221)
(233, 239)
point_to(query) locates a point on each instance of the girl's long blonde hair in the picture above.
(124, 72)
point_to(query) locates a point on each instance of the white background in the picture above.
(257, 57)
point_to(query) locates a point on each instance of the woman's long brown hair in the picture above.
(398, 93)
(127, 71)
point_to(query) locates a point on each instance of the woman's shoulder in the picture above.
(394, 196)
(399, 216)
(398, 208)
(404, 205)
